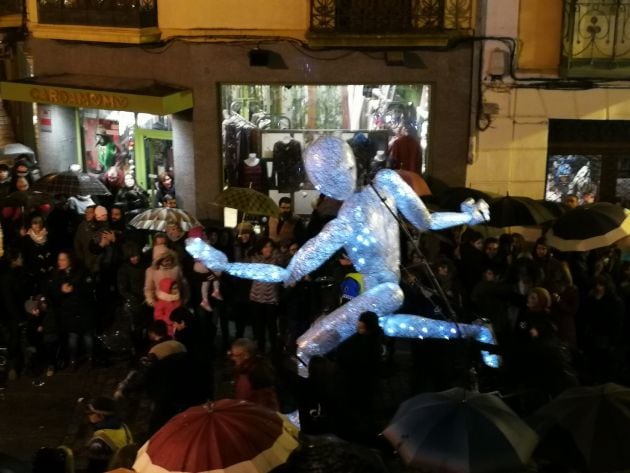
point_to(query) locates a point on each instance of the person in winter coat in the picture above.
(130, 281)
(165, 266)
(254, 375)
(42, 338)
(601, 320)
(358, 362)
(37, 252)
(168, 299)
(541, 363)
(168, 376)
(70, 296)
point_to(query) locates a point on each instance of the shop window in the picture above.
(589, 156)
(266, 128)
(109, 146)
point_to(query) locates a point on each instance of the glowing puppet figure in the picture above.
(369, 233)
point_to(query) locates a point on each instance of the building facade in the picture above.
(160, 82)
(554, 110)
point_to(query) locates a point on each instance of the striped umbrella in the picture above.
(157, 219)
(70, 183)
(226, 436)
(589, 227)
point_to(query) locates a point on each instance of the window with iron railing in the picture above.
(116, 13)
(596, 38)
(391, 17)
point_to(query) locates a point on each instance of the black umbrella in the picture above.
(330, 454)
(25, 199)
(586, 427)
(459, 431)
(588, 227)
(71, 183)
(452, 198)
(557, 209)
(517, 212)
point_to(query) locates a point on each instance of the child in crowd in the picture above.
(208, 277)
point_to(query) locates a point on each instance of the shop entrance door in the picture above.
(153, 155)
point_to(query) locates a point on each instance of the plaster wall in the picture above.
(57, 149)
(511, 155)
(238, 14)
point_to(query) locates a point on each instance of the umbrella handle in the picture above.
(240, 227)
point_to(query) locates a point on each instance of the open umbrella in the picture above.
(589, 226)
(70, 183)
(330, 454)
(458, 431)
(25, 199)
(157, 219)
(224, 436)
(248, 201)
(587, 427)
(451, 198)
(511, 211)
(557, 209)
(415, 181)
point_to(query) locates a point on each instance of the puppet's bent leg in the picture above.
(332, 329)
(416, 326)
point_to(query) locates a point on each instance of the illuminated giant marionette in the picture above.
(367, 229)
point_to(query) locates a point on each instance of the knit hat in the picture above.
(197, 232)
(100, 213)
(102, 405)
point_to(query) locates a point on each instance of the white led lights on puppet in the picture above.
(368, 232)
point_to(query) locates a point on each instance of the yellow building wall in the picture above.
(268, 17)
(540, 35)
(510, 157)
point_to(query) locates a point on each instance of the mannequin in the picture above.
(105, 148)
(252, 160)
(252, 173)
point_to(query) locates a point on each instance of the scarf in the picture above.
(39, 238)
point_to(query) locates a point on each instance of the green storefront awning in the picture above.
(110, 93)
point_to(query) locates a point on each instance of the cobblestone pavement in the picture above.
(51, 415)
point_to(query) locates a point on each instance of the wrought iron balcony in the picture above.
(10, 7)
(393, 17)
(596, 38)
(108, 13)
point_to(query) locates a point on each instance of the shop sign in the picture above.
(44, 118)
(79, 98)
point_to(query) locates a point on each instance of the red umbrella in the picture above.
(224, 436)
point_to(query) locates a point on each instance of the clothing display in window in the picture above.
(288, 169)
(253, 173)
(240, 138)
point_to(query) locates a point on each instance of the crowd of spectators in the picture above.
(70, 280)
